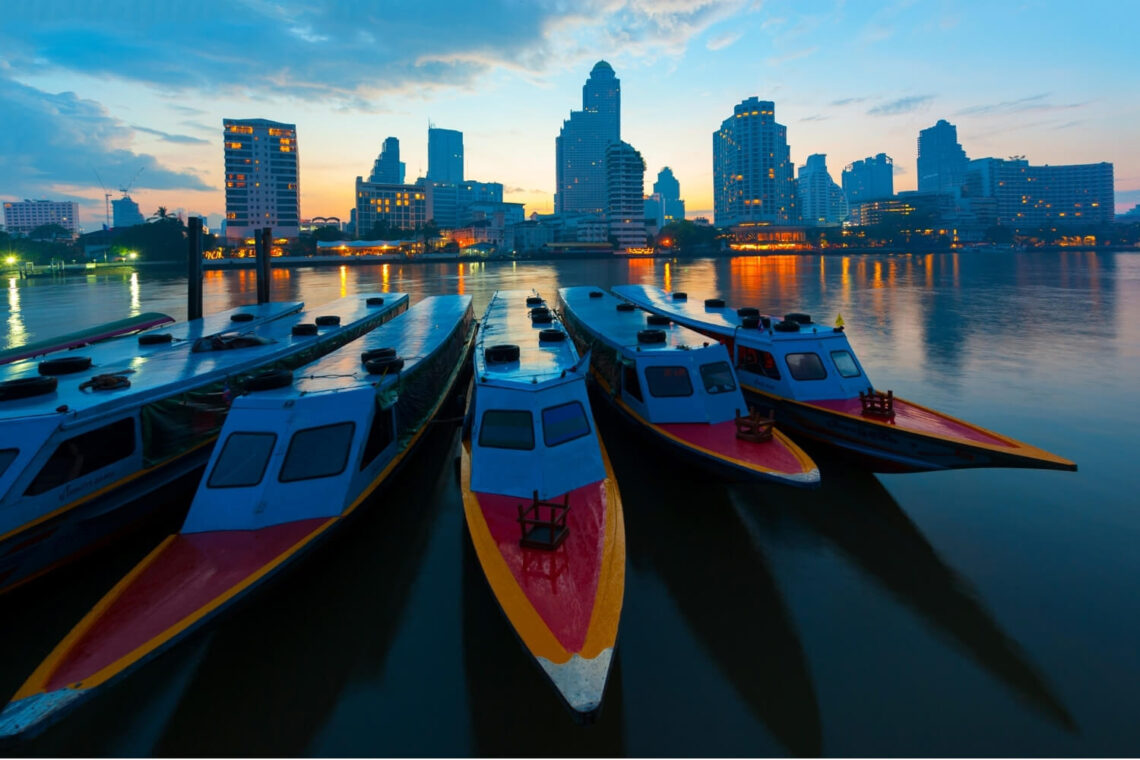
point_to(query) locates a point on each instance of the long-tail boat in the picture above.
(809, 375)
(540, 498)
(298, 456)
(84, 438)
(679, 387)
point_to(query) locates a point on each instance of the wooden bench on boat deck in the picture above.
(538, 533)
(755, 427)
(878, 404)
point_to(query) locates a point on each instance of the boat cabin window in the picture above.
(630, 382)
(666, 382)
(507, 429)
(845, 363)
(7, 456)
(806, 366)
(379, 435)
(85, 453)
(718, 378)
(317, 452)
(564, 423)
(758, 363)
(243, 460)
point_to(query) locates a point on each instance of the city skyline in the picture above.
(91, 93)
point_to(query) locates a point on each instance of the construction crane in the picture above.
(126, 189)
(106, 197)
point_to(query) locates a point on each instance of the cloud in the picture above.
(847, 101)
(902, 105)
(1035, 103)
(815, 117)
(897, 169)
(72, 138)
(167, 137)
(788, 57)
(722, 41)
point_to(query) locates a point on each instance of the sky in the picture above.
(96, 96)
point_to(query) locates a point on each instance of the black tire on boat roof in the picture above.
(541, 316)
(625, 306)
(651, 336)
(64, 365)
(153, 339)
(786, 326)
(596, 294)
(534, 301)
(389, 365)
(377, 353)
(551, 335)
(241, 316)
(502, 353)
(750, 322)
(680, 296)
(656, 319)
(305, 328)
(765, 322)
(375, 301)
(714, 303)
(327, 320)
(803, 319)
(747, 311)
(269, 379)
(26, 387)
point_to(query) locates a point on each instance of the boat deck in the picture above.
(621, 327)
(507, 321)
(915, 418)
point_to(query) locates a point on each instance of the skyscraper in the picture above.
(667, 186)
(580, 148)
(445, 155)
(870, 179)
(126, 213)
(261, 178)
(821, 201)
(388, 168)
(752, 169)
(625, 188)
(941, 160)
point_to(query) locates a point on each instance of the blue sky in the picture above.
(119, 86)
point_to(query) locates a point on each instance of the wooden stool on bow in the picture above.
(543, 533)
(878, 404)
(755, 427)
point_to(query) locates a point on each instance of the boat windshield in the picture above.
(318, 452)
(564, 423)
(668, 382)
(243, 460)
(845, 363)
(7, 456)
(507, 429)
(806, 366)
(718, 377)
(84, 454)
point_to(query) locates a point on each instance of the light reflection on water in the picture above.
(964, 613)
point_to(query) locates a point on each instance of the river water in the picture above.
(977, 612)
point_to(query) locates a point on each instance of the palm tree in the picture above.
(160, 215)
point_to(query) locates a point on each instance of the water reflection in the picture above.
(17, 335)
(136, 303)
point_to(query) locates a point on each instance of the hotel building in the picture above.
(402, 207)
(261, 178)
(21, 217)
(941, 160)
(625, 189)
(752, 170)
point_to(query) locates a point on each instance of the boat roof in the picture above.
(507, 321)
(159, 374)
(620, 328)
(416, 335)
(720, 319)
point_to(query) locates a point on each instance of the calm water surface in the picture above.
(979, 612)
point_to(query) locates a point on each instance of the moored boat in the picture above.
(809, 375)
(678, 386)
(295, 461)
(540, 499)
(86, 336)
(88, 437)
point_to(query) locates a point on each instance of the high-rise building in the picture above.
(388, 168)
(261, 178)
(445, 155)
(1032, 196)
(752, 169)
(941, 160)
(401, 207)
(625, 188)
(447, 204)
(822, 203)
(667, 186)
(869, 179)
(125, 213)
(21, 217)
(580, 148)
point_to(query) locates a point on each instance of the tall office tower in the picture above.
(126, 213)
(625, 187)
(21, 217)
(261, 178)
(870, 179)
(667, 186)
(388, 168)
(941, 160)
(445, 155)
(822, 203)
(580, 148)
(752, 169)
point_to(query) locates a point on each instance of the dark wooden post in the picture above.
(194, 268)
(264, 248)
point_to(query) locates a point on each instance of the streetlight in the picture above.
(132, 255)
(10, 260)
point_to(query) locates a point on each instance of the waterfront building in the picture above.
(21, 217)
(448, 203)
(942, 162)
(400, 207)
(388, 168)
(262, 178)
(1028, 196)
(869, 179)
(669, 190)
(822, 203)
(752, 169)
(445, 155)
(125, 213)
(625, 189)
(1132, 215)
(925, 208)
(580, 148)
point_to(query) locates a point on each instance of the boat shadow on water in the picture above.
(854, 513)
